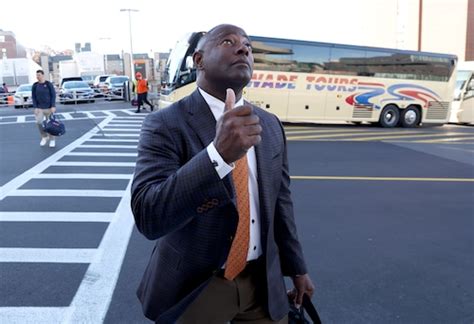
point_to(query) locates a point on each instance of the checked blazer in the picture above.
(179, 200)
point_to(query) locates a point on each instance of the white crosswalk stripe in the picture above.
(121, 114)
(93, 295)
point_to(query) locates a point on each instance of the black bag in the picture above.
(54, 126)
(297, 316)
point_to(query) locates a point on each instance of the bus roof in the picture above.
(385, 49)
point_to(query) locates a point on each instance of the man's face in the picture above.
(40, 77)
(227, 56)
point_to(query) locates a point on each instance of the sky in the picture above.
(159, 24)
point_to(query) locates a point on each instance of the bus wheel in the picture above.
(410, 117)
(390, 116)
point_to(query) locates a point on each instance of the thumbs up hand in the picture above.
(237, 130)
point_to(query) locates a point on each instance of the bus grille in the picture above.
(437, 110)
(362, 111)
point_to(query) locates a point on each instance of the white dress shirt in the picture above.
(223, 169)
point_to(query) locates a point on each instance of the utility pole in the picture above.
(132, 68)
(420, 23)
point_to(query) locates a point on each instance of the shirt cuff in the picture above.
(218, 162)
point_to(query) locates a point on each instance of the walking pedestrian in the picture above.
(141, 89)
(44, 104)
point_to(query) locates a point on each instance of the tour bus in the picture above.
(462, 110)
(303, 81)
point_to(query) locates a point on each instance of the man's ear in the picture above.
(197, 58)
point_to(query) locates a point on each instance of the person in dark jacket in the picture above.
(211, 185)
(44, 104)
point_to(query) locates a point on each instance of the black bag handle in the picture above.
(310, 309)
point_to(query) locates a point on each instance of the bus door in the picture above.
(466, 106)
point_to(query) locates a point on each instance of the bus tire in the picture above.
(390, 116)
(410, 117)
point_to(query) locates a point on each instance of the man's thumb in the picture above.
(229, 100)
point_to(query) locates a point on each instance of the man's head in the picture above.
(40, 75)
(138, 75)
(224, 59)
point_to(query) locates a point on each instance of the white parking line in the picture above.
(32, 315)
(40, 167)
(66, 116)
(99, 164)
(101, 154)
(55, 217)
(117, 135)
(47, 255)
(130, 125)
(120, 118)
(109, 146)
(65, 193)
(92, 300)
(111, 140)
(131, 113)
(127, 121)
(131, 130)
(108, 113)
(83, 176)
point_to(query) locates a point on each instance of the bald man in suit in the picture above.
(212, 185)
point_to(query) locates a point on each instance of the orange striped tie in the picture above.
(237, 258)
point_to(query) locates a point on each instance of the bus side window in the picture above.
(349, 61)
(310, 58)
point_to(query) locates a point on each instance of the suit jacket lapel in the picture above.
(200, 118)
(263, 154)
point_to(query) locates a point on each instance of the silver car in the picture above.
(23, 96)
(75, 91)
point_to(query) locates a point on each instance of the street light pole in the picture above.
(105, 54)
(132, 67)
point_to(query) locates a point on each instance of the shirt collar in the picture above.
(217, 106)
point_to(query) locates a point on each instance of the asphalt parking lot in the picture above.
(385, 217)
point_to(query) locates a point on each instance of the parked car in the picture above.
(23, 96)
(99, 80)
(89, 79)
(113, 86)
(75, 91)
(71, 79)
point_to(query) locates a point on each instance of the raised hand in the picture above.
(237, 130)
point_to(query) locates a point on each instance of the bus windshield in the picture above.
(175, 61)
(462, 77)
